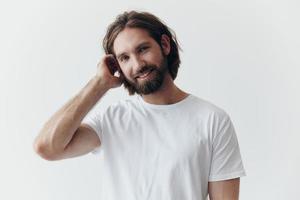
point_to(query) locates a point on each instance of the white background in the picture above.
(241, 55)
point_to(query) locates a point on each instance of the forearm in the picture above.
(60, 128)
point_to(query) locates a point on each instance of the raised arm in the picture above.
(63, 136)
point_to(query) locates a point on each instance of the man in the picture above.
(162, 144)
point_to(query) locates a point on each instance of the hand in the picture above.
(106, 69)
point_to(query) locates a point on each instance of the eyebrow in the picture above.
(136, 48)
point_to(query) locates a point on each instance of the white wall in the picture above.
(241, 55)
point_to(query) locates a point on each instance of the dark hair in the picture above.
(153, 25)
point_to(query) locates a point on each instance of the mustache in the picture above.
(144, 69)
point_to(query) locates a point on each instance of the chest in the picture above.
(165, 139)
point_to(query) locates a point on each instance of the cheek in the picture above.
(153, 58)
(150, 57)
(125, 71)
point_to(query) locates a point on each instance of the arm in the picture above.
(63, 136)
(224, 190)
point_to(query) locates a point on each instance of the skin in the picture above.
(224, 190)
(131, 58)
(64, 136)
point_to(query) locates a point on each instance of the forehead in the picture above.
(129, 38)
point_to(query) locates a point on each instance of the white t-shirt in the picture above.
(164, 152)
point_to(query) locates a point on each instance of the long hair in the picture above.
(153, 25)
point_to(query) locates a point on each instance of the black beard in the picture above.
(151, 85)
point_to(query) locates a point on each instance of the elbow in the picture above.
(43, 151)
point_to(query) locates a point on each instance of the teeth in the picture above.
(145, 74)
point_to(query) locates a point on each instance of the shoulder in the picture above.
(207, 108)
(122, 106)
(215, 117)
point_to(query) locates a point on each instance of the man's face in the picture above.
(141, 60)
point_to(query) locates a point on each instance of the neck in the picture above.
(168, 93)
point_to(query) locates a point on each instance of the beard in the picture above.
(150, 84)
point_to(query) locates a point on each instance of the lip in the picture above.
(145, 75)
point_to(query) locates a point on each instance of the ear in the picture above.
(165, 44)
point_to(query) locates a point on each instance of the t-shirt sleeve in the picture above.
(226, 162)
(94, 120)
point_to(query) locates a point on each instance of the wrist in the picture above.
(100, 84)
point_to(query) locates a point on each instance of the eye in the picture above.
(142, 49)
(124, 58)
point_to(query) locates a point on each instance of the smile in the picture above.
(145, 74)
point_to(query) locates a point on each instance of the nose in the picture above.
(137, 63)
